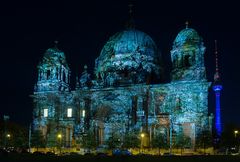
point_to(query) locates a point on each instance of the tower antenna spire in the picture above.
(216, 75)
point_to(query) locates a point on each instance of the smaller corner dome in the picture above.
(53, 56)
(187, 36)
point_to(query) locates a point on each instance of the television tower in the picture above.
(217, 87)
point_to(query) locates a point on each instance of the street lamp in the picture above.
(235, 133)
(59, 137)
(142, 136)
(8, 136)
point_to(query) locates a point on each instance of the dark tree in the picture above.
(88, 140)
(114, 141)
(131, 140)
(38, 140)
(159, 141)
(204, 140)
(228, 138)
(182, 141)
(13, 135)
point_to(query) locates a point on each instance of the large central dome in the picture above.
(128, 52)
(129, 41)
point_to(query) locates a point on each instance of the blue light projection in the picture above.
(218, 123)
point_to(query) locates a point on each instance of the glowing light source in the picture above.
(217, 88)
(8, 135)
(235, 133)
(45, 113)
(83, 113)
(142, 135)
(59, 136)
(69, 112)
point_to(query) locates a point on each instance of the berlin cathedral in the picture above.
(126, 92)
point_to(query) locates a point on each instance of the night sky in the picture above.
(27, 30)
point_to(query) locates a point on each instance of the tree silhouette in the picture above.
(114, 141)
(88, 140)
(37, 139)
(159, 141)
(131, 140)
(18, 135)
(182, 141)
(204, 140)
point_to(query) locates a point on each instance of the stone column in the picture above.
(61, 73)
(54, 73)
(58, 73)
(66, 78)
(139, 103)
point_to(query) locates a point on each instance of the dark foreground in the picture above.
(142, 158)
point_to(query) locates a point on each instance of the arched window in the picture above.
(178, 104)
(40, 75)
(134, 109)
(48, 74)
(175, 62)
(64, 76)
(186, 61)
(99, 76)
(125, 72)
(56, 72)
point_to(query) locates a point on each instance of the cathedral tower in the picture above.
(187, 56)
(217, 87)
(50, 98)
(53, 71)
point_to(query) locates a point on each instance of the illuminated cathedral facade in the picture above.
(127, 91)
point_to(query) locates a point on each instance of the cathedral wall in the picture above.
(119, 109)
